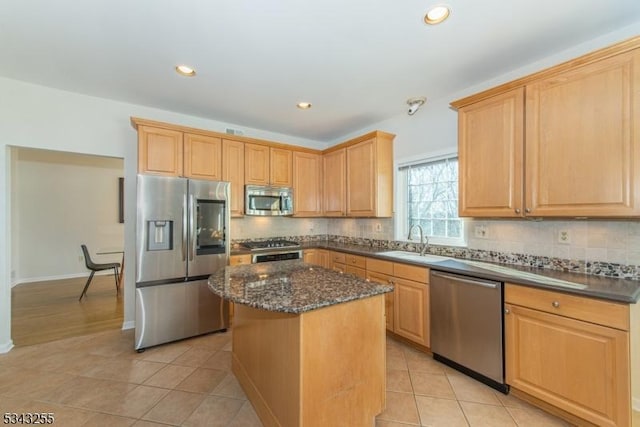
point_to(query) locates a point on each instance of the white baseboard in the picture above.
(6, 346)
(131, 324)
(59, 277)
(635, 404)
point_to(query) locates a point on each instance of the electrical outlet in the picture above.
(481, 231)
(378, 226)
(564, 237)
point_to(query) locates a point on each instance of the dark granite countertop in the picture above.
(601, 287)
(290, 286)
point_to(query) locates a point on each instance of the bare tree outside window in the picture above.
(432, 198)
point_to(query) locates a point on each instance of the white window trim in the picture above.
(401, 228)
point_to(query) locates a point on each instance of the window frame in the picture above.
(401, 228)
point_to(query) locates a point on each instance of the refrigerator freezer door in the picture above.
(174, 311)
(161, 245)
(208, 227)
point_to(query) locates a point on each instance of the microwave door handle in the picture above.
(184, 228)
(192, 227)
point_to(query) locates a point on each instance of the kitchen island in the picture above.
(308, 343)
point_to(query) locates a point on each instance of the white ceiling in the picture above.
(357, 61)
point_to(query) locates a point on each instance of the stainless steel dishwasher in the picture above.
(467, 326)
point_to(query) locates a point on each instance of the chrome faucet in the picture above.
(424, 240)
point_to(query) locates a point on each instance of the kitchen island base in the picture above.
(323, 367)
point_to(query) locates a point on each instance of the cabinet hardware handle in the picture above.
(507, 311)
(517, 210)
(528, 210)
(556, 304)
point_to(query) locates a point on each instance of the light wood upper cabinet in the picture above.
(281, 169)
(266, 165)
(490, 149)
(577, 365)
(559, 143)
(256, 164)
(159, 151)
(233, 171)
(370, 177)
(202, 157)
(583, 140)
(334, 168)
(307, 184)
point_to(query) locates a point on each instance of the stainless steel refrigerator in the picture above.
(182, 236)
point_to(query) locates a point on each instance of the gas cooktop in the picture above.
(271, 244)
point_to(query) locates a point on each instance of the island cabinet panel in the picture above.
(490, 156)
(556, 352)
(583, 144)
(308, 370)
(160, 151)
(202, 157)
(334, 174)
(560, 143)
(307, 184)
(233, 172)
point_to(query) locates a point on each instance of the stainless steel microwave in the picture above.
(265, 200)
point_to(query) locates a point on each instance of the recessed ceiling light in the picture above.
(437, 14)
(185, 70)
(304, 105)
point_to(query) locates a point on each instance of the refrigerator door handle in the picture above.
(192, 227)
(184, 228)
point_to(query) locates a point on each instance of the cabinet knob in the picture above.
(353, 261)
(507, 311)
(556, 304)
(517, 210)
(390, 281)
(528, 210)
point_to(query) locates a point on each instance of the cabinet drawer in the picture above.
(240, 259)
(355, 261)
(338, 257)
(411, 272)
(615, 315)
(379, 266)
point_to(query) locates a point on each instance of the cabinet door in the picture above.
(335, 186)
(577, 366)
(356, 271)
(159, 151)
(202, 157)
(583, 144)
(361, 167)
(384, 279)
(310, 256)
(233, 171)
(256, 164)
(307, 184)
(490, 150)
(281, 169)
(324, 259)
(411, 310)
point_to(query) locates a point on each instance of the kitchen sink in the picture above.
(412, 256)
(522, 274)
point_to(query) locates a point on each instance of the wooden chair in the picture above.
(97, 267)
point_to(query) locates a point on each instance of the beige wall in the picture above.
(62, 200)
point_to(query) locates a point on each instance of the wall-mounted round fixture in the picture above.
(437, 14)
(185, 70)
(303, 105)
(415, 103)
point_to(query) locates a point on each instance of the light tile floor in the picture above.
(100, 380)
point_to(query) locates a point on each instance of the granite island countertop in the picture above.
(590, 285)
(290, 286)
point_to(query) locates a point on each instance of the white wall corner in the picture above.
(131, 324)
(635, 404)
(6, 347)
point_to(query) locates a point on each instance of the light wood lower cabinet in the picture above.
(576, 365)
(317, 256)
(240, 259)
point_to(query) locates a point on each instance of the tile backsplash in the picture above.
(609, 248)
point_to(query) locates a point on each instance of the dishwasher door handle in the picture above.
(491, 285)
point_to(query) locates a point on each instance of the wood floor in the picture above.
(49, 311)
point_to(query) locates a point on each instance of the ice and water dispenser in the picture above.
(159, 235)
